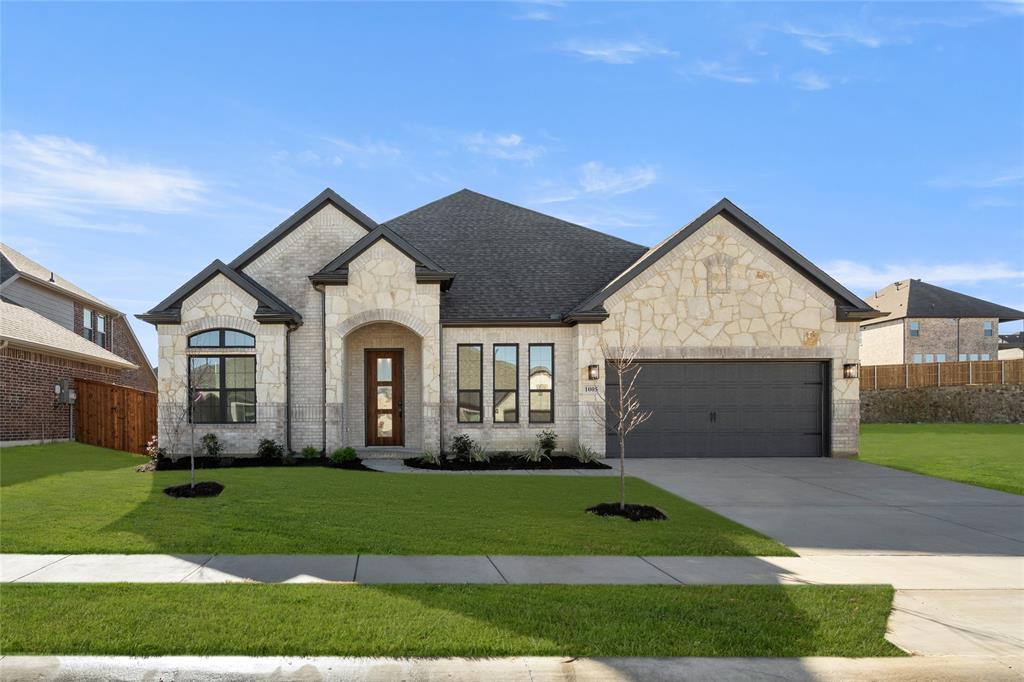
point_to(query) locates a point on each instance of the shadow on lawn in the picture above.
(27, 463)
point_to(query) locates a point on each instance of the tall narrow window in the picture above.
(470, 378)
(988, 328)
(506, 383)
(542, 383)
(101, 330)
(915, 329)
(87, 323)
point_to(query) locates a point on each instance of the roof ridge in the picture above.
(65, 285)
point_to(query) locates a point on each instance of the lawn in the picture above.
(446, 620)
(71, 498)
(988, 455)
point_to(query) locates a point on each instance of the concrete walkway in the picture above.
(944, 604)
(518, 669)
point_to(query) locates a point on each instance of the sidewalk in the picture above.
(944, 605)
(533, 669)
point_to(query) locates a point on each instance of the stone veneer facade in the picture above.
(717, 295)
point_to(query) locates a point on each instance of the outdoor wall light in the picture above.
(851, 371)
(56, 389)
(593, 372)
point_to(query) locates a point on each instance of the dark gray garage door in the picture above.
(727, 409)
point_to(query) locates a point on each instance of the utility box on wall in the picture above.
(65, 395)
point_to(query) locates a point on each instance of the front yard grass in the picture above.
(446, 620)
(987, 455)
(72, 498)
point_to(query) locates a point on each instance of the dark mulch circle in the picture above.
(201, 489)
(633, 512)
(504, 463)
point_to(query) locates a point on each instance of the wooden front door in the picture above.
(385, 394)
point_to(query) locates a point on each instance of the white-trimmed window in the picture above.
(94, 326)
(987, 328)
(915, 329)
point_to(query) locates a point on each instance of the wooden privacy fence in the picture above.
(941, 374)
(114, 417)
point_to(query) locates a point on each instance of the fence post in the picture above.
(906, 375)
(875, 372)
(938, 376)
(970, 373)
(1002, 372)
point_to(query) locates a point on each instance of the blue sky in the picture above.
(141, 141)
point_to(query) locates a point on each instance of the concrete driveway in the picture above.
(839, 506)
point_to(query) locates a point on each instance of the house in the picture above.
(926, 323)
(1011, 346)
(53, 333)
(472, 315)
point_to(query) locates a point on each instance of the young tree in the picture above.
(622, 412)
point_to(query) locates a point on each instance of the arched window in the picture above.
(222, 387)
(221, 338)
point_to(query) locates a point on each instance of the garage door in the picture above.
(727, 409)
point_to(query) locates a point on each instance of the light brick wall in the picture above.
(939, 335)
(284, 269)
(497, 437)
(882, 343)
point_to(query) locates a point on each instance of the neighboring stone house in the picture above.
(52, 333)
(926, 323)
(472, 315)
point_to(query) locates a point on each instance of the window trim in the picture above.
(531, 391)
(220, 338)
(458, 383)
(494, 384)
(915, 329)
(222, 390)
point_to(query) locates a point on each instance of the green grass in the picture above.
(446, 620)
(988, 455)
(71, 498)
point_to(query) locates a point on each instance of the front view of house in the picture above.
(472, 315)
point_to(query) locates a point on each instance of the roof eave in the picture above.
(66, 353)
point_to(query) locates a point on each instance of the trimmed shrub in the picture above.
(270, 449)
(547, 440)
(344, 455)
(212, 445)
(310, 452)
(462, 446)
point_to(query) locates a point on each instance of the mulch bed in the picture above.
(201, 489)
(500, 463)
(182, 463)
(633, 512)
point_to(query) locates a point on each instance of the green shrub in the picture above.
(344, 455)
(478, 453)
(431, 457)
(585, 454)
(270, 449)
(310, 452)
(462, 446)
(533, 455)
(212, 445)
(547, 440)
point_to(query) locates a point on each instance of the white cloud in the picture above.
(811, 80)
(621, 52)
(863, 276)
(1008, 177)
(721, 72)
(502, 146)
(598, 180)
(57, 178)
(822, 40)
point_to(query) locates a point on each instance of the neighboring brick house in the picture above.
(53, 331)
(474, 315)
(926, 323)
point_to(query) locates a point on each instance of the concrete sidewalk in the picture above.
(518, 669)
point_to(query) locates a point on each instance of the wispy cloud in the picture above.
(811, 80)
(1009, 177)
(61, 180)
(721, 72)
(596, 180)
(363, 150)
(823, 40)
(615, 52)
(510, 146)
(862, 276)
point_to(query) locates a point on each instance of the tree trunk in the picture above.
(622, 472)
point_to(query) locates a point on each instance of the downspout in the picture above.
(323, 347)
(440, 384)
(288, 388)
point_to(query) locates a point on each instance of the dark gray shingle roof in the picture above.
(511, 262)
(928, 300)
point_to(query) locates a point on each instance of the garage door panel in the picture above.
(727, 409)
